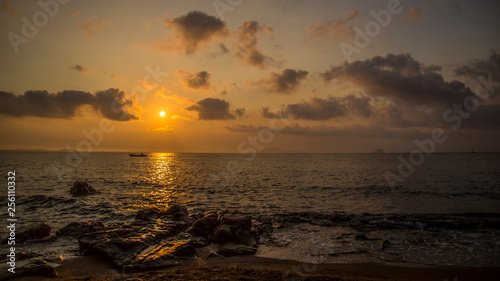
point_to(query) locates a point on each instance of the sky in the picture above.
(242, 76)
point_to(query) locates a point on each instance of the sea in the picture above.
(322, 208)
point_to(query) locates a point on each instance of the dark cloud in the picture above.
(215, 109)
(336, 29)
(246, 48)
(485, 68)
(80, 68)
(197, 80)
(400, 78)
(324, 109)
(111, 103)
(285, 83)
(192, 31)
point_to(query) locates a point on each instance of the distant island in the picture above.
(380, 150)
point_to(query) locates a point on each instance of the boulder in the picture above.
(203, 227)
(81, 188)
(36, 267)
(76, 229)
(183, 250)
(38, 231)
(177, 212)
(147, 214)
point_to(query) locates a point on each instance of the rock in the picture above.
(81, 188)
(36, 267)
(76, 229)
(386, 245)
(147, 214)
(223, 233)
(246, 238)
(203, 227)
(35, 232)
(183, 250)
(231, 248)
(240, 221)
(178, 213)
(120, 246)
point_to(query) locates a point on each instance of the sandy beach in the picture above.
(255, 268)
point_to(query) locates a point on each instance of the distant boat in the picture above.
(138, 155)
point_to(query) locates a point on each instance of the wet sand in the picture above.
(255, 268)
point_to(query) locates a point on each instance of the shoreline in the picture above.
(258, 268)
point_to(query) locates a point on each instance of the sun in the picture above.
(162, 113)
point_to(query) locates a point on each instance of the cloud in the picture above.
(337, 29)
(80, 68)
(165, 129)
(246, 48)
(195, 80)
(117, 77)
(89, 27)
(6, 7)
(111, 103)
(192, 31)
(401, 79)
(215, 109)
(477, 68)
(413, 14)
(285, 83)
(329, 131)
(324, 109)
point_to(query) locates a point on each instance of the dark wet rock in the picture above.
(120, 246)
(36, 267)
(76, 229)
(183, 250)
(246, 238)
(386, 245)
(82, 188)
(203, 227)
(38, 231)
(231, 248)
(27, 255)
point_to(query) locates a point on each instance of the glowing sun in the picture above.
(162, 113)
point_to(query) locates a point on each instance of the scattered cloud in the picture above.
(413, 14)
(88, 28)
(111, 103)
(117, 77)
(485, 68)
(195, 80)
(165, 129)
(6, 7)
(246, 48)
(215, 109)
(80, 68)
(285, 83)
(324, 109)
(330, 30)
(191, 32)
(399, 78)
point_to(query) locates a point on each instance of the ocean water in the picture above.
(321, 207)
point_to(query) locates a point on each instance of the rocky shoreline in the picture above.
(156, 239)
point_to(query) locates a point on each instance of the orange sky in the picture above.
(239, 76)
